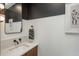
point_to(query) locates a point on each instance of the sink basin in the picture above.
(19, 49)
(22, 46)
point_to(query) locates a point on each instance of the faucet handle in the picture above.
(20, 39)
(14, 41)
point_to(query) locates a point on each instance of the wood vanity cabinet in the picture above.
(32, 52)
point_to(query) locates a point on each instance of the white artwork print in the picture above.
(75, 16)
(72, 18)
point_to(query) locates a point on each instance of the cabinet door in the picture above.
(35, 51)
(32, 52)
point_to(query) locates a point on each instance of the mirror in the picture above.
(13, 17)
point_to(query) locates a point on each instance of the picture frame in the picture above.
(72, 18)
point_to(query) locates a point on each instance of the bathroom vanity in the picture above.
(23, 49)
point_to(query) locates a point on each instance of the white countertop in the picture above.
(20, 50)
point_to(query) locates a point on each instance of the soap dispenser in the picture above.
(31, 33)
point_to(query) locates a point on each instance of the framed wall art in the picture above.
(72, 18)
